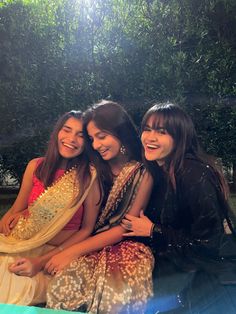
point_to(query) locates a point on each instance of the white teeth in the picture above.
(70, 146)
(152, 146)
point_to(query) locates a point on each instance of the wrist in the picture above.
(155, 230)
(37, 265)
(40, 262)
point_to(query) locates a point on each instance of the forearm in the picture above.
(74, 239)
(77, 237)
(13, 210)
(42, 260)
(96, 242)
(7, 214)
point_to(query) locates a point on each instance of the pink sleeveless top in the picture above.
(38, 189)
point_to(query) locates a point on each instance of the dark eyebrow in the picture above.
(66, 126)
(69, 128)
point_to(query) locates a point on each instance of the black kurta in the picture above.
(194, 256)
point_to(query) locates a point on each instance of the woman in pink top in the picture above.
(56, 207)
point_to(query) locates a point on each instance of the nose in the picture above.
(96, 145)
(152, 136)
(72, 137)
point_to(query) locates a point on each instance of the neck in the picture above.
(63, 164)
(160, 162)
(117, 164)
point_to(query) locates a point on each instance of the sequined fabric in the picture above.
(49, 204)
(38, 186)
(23, 290)
(195, 259)
(114, 280)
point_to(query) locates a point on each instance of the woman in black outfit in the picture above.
(188, 223)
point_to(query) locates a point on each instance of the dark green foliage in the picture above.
(61, 55)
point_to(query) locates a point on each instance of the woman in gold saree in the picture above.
(56, 207)
(104, 274)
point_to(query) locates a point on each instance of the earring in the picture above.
(123, 150)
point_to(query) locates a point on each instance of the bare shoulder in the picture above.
(147, 177)
(32, 164)
(34, 161)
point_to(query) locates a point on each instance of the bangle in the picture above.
(60, 248)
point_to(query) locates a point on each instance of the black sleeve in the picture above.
(201, 229)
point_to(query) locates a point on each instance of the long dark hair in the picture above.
(111, 117)
(180, 126)
(46, 170)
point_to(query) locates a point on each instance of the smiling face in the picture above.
(107, 145)
(157, 142)
(70, 138)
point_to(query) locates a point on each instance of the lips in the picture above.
(102, 152)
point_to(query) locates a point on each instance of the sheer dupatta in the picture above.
(47, 215)
(121, 196)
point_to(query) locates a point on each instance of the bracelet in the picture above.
(156, 229)
(151, 230)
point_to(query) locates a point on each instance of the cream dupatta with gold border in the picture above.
(47, 216)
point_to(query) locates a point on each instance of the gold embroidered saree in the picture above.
(119, 277)
(47, 216)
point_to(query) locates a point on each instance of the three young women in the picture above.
(104, 274)
(188, 221)
(57, 206)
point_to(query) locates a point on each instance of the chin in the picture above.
(150, 158)
(106, 158)
(69, 156)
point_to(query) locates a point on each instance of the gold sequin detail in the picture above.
(117, 279)
(49, 204)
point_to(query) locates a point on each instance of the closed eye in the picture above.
(101, 137)
(80, 134)
(66, 129)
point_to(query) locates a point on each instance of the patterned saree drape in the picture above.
(117, 279)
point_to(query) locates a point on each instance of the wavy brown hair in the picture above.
(46, 170)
